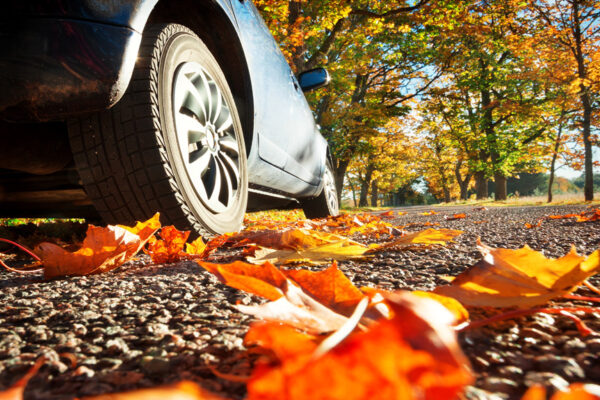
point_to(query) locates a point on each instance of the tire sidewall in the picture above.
(184, 47)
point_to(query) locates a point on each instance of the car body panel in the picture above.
(288, 124)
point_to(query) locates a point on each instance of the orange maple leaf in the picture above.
(431, 212)
(521, 278)
(409, 357)
(170, 248)
(290, 304)
(103, 249)
(330, 287)
(455, 217)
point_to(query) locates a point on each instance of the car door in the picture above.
(282, 117)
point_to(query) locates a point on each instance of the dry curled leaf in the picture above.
(431, 212)
(300, 245)
(330, 287)
(169, 249)
(425, 237)
(455, 217)
(184, 390)
(519, 278)
(585, 216)
(408, 357)
(289, 303)
(103, 249)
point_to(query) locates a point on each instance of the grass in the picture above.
(37, 221)
(558, 199)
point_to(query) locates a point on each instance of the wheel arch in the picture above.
(210, 21)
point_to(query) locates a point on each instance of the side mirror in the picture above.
(313, 79)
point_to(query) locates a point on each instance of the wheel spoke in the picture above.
(195, 130)
(196, 96)
(199, 161)
(224, 120)
(229, 144)
(215, 182)
(215, 100)
(230, 166)
(217, 103)
(228, 196)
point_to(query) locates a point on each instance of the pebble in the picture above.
(564, 366)
(496, 384)
(547, 379)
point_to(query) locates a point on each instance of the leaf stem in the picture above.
(26, 250)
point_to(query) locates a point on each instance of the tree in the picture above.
(501, 102)
(376, 57)
(568, 38)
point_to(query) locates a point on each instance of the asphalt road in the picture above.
(143, 325)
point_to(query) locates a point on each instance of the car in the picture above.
(122, 108)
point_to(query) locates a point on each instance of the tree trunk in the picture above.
(339, 172)
(586, 103)
(551, 179)
(463, 184)
(555, 156)
(353, 193)
(588, 189)
(500, 181)
(364, 194)
(446, 191)
(374, 193)
(481, 186)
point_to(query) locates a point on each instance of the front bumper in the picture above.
(54, 68)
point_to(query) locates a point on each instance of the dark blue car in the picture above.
(128, 107)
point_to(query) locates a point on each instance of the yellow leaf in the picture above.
(426, 237)
(521, 278)
(460, 313)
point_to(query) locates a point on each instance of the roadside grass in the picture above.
(561, 199)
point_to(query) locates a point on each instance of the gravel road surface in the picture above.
(144, 325)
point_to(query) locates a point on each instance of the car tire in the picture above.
(326, 203)
(173, 143)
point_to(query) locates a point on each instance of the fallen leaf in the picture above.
(184, 390)
(584, 216)
(426, 237)
(263, 280)
(431, 212)
(401, 358)
(103, 249)
(290, 304)
(521, 278)
(455, 217)
(170, 248)
(15, 392)
(460, 313)
(197, 247)
(299, 310)
(300, 245)
(330, 287)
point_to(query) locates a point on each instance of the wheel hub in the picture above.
(206, 137)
